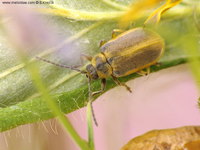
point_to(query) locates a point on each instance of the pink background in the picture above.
(166, 99)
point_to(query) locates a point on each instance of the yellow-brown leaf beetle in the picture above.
(123, 55)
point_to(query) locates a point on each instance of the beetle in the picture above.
(127, 53)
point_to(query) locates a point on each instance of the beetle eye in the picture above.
(92, 72)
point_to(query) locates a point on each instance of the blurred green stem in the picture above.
(90, 127)
(34, 72)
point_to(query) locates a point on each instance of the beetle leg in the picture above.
(89, 58)
(121, 84)
(144, 73)
(115, 32)
(158, 64)
(83, 56)
(102, 42)
(148, 70)
(90, 105)
(103, 85)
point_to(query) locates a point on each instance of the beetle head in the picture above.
(91, 72)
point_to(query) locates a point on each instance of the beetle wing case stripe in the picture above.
(133, 50)
(130, 63)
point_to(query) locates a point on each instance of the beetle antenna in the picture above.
(93, 115)
(90, 101)
(60, 65)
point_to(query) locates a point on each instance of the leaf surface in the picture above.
(20, 102)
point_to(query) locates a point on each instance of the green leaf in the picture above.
(20, 102)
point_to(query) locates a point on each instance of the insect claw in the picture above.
(158, 64)
(95, 93)
(144, 73)
(115, 32)
(128, 88)
(102, 42)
